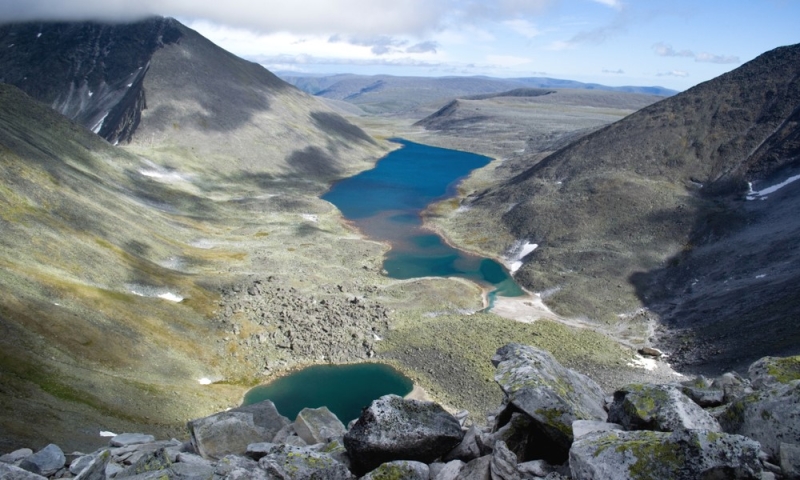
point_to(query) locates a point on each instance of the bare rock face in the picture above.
(318, 425)
(682, 455)
(774, 370)
(393, 428)
(231, 432)
(550, 394)
(45, 462)
(658, 407)
(301, 463)
(768, 416)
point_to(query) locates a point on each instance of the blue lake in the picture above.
(385, 203)
(344, 389)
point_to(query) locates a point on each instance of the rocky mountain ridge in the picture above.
(554, 424)
(633, 218)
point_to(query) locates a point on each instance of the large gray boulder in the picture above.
(478, 469)
(790, 460)
(318, 425)
(96, 469)
(681, 455)
(772, 370)
(45, 462)
(302, 463)
(550, 394)
(662, 408)
(504, 463)
(770, 415)
(11, 472)
(231, 432)
(393, 428)
(400, 470)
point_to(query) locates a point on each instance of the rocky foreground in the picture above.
(554, 423)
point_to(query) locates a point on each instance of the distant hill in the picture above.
(650, 211)
(381, 94)
(158, 84)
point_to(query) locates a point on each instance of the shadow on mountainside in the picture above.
(733, 294)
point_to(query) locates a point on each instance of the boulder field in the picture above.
(554, 423)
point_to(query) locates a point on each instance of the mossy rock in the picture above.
(771, 370)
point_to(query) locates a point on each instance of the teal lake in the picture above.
(386, 203)
(344, 389)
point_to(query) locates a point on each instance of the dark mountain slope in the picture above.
(160, 85)
(90, 72)
(667, 179)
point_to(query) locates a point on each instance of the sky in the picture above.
(670, 43)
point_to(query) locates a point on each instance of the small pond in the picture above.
(344, 389)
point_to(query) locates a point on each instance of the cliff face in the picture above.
(90, 72)
(649, 212)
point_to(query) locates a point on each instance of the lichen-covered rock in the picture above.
(233, 467)
(157, 461)
(705, 397)
(298, 463)
(231, 432)
(553, 396)
(318, 425)
(582, 428)
(521, 437)
(393, 428)
(96, 468)
(399, 470)
(45, 462)
(772, 370)
(681, 455)
(770, 415)
(662, 408)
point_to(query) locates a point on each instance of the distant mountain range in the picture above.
(379, 94)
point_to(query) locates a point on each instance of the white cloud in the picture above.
(523, 27)
(372, 17)
(610, 3)
(673, 73)
(663, 50)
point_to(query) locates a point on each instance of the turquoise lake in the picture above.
(344, 389)
(385, 203)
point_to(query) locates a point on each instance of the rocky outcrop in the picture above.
(551, 395)
(231, 432)
(393, 428)
(684, 454)
(396, 438)
(658, 407)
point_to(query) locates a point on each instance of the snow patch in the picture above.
(38, 34)
(762, 194)
(166, 176)
(156, 292)
(98, 125)
(761, 276)
(463, 208)
(105, 433)
(310, 217)
(518, 251)
(130, 85)
(204, 381)
(648, 364)
(376, 337)
(202, 243)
